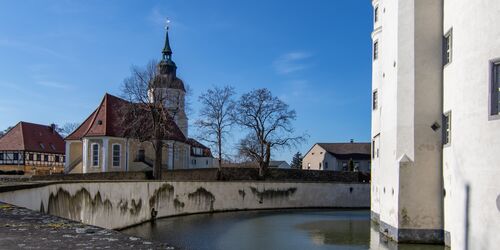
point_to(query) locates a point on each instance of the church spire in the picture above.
(167, 65)
(167, 51)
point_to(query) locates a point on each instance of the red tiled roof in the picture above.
(33, 137)
(105, 121)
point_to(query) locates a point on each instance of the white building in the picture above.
(435, 121)
(336, 157)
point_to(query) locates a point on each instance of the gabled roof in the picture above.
(277, 163)
(33, 137)
(105, 121)
(350, 149)
(360, 150)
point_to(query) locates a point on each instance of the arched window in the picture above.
(95, 154)
(116, 155)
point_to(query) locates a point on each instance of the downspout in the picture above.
(126, 155)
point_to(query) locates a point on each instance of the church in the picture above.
(99, 144)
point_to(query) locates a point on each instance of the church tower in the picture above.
(167, 82)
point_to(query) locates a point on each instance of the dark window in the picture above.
(320, 165)
(46, 158)
(95, 154)
(62, 159)
(344, 166)
(207, 162)
(326, 165)
(141, 155)
(375, 99)
(375, 50)
(375, 14)
(116, 155)
(1, 156)
(447, 47)
(447, 128)
(373, 149)
(495, 89)
(38, 157)
(56, 158)
(15, 156)
(30, 157)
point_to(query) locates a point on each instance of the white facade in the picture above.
(419, 186)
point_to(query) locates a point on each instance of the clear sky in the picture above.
(58, 58)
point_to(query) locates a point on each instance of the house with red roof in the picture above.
(99, 144)
(33, 149)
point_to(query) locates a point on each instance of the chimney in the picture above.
(352, 140)
(53, 127)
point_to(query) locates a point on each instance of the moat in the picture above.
(283, 229)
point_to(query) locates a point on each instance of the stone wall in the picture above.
(211, 174)
(121, 204)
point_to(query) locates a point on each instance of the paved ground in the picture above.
(21, 228)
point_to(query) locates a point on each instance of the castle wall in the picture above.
(470, 162)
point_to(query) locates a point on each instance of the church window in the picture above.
(95, 154)
(447, 47)
(495, 89)
(116, 155)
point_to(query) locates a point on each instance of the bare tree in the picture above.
(269, 121)
(67, 128)
(145, 116)
(4, 132)
(216, 116)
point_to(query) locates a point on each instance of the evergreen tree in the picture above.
(297, 161)
(351, 165)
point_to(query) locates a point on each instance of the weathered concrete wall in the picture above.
(117, 205)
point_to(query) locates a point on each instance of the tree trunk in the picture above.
(157, 162)
(219, 144)
(265, 164)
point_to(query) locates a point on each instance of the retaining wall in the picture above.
(120, 204)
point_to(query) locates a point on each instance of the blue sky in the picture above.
(58, 58)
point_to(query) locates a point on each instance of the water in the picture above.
(288, 229)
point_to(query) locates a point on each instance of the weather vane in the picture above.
(167, 24)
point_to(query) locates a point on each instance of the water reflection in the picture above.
(338, 232)
(289, 229)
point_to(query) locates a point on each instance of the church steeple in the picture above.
(167, 65)
(167, 51)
